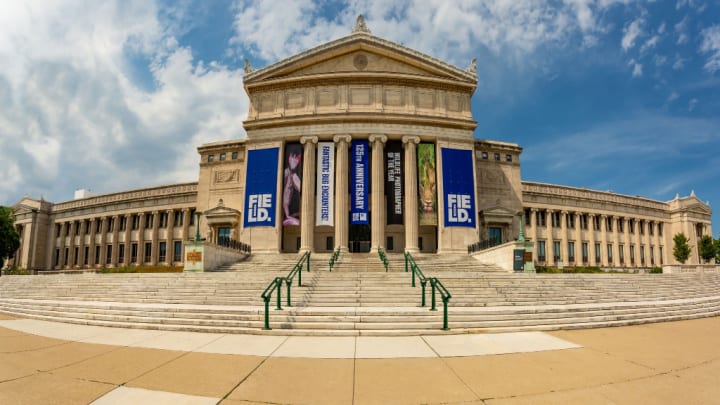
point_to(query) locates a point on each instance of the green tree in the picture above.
(717, 250)
(681, 250)
(706, 248)
(9, 237)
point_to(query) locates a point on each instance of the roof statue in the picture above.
(360, 25)
(248, 68)
(473, 66)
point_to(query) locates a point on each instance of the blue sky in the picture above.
(609, 94)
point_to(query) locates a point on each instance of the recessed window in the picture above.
(485, 155)
(211, 158)
(508, 158)
(222, 157)
(497, 157)
(234, 156)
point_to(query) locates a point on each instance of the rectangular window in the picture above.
(111, 224)
(570, 220)
(541, 250)
(556, 250)
(86, 256)
(528, 221)
(641, 227)
(57, 257)
(108, 254)
(234, 156)
(162, 256)
(65, 259)
(178, 218)
(211, 158)
(652, 255)
(222, 157)
(571, 251)
(632, 254)
(485, 155)
(620, 227)
(610, 253)
(621, 253)
(642, 254)
(556, 219)
(497, 157)
(540, 218)
(163, 219)
(608, 224)
(660, 226)
(98, 226)
(57, 230)
(598, 250)
(651, 228)
(97, 255)
(123, 223)
(149, 220)
(508, 158)
(148, 252)
(177, 251)
(75, 256)
(134, 253)
(584, 221)
(121, 253)
(584, 252)
(192, 217)
(660, 254)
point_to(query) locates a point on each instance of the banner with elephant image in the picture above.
(427, 189)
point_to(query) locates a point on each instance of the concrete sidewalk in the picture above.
(44, 362)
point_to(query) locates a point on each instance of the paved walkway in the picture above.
(53, 363)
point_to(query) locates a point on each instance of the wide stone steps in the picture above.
(366, 302)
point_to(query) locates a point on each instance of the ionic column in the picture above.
(186, 224)
(578, 239)
(564, 255)
(618, 239)
(82, 230)
(103, 239)
(141, 238)
(91, 250)
(342, 143)
(549, 251)
(128, 239)
(591, 241)
(71, 250)
(61, 261)
(307, 207)
(377, 194)
(154, 237)
(115, 241)
(534, 232)
(638, 258)
(411, 194)
(604, 241)
(627, 242)
(169, 237)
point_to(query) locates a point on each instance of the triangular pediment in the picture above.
(220, 211)
(499, 210)
(361, 54)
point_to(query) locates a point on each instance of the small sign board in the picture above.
(194, 256)
(527, 257)
(518, 264)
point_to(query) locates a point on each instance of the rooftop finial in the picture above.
(473, 66)
(360, 25)
(248, 68)
(692, 193)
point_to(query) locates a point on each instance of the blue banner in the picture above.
(359, 183)
(260, 187)
(458, 188)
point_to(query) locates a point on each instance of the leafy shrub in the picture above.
(16, 271)
(656, 270)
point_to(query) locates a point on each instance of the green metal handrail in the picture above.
(383, 258)
(434, 283)
(334, 257)
(276, 284)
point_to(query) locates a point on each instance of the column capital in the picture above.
(564, 212)
(342, 138)
(374, 138)
(603, 216)
(128, 215)
(409, 139)
(591, 215)
(186, 209)
(310, 139)
(533, 209)
(140, 214)
(170, 211)
(549, 211)
(115, 216)
(155, 212)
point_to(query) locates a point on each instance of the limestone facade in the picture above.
(359, 87)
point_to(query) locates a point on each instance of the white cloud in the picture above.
(681, 30)
(711, 45)
(692, 104)
(650, 43)
(660, 60)
(637, 68)
(679, 63)
(632, 31)
(672, 97)
(73, 114)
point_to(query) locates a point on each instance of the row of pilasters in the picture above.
(377, 192)
(608, 236)
(72, 237)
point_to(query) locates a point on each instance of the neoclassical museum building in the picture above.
(359, 143)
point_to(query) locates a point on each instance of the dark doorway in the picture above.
(359, 238)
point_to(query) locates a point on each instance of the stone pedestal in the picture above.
(194, 256)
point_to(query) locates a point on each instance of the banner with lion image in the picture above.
(427, 194)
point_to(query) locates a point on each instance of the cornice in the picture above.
(125, 196)
(559, 191)
(360, 118)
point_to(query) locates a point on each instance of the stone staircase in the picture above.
(359, 298)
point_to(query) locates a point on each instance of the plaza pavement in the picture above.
(662, 363)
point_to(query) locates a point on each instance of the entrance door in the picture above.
(495, 235)
(223, 236)
(359, 236)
